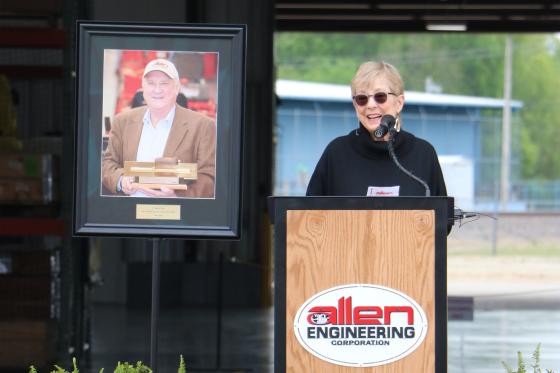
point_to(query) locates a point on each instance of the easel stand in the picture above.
(155, 303)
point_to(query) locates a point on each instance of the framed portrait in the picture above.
(159, 123)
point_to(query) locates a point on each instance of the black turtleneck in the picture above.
(352, 163)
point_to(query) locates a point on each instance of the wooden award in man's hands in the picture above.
(165, 171)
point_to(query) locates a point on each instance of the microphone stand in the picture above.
(392, 132)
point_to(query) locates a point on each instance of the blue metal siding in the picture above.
(301, 137)
(304, 128)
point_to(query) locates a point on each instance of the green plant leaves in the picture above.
(522, 367)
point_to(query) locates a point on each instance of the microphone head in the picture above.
(388, 120)
(386, 124)
(380, 131)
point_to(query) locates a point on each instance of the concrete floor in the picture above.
(478, 346)
(123, 334)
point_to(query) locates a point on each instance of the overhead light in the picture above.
(455, 27)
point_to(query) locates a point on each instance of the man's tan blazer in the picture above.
(192, 139)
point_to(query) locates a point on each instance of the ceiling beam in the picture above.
(414, 16)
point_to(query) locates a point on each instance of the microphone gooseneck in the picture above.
(392, 132)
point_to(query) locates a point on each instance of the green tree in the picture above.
(467, 64)
(536, 81)
(461, 63)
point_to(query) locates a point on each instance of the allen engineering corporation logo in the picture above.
(360, 325)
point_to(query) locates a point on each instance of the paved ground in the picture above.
(506, 230)
(530, 279)
(506, 282)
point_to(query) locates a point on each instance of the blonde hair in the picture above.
(369, 71)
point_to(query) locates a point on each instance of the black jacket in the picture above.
(352, 163)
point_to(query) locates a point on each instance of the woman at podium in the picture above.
(360, 163)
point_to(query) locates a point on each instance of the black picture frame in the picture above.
(95, 212)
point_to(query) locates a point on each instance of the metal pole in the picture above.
(219, 313)
(506, 128)
(155, 304)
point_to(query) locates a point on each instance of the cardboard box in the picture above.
(27, 342)
(28, 179)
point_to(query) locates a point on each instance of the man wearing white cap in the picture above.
(161, 129)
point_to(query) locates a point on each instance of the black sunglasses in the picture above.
(379, 97)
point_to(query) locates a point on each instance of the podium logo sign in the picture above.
(360, 325)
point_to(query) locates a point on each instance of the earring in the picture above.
(398, 122)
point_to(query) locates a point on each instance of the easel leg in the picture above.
(155, 304)
(219, 313)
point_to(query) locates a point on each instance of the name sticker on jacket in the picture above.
(374, 191)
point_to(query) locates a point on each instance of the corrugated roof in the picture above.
(310, 91)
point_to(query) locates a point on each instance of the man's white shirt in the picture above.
(153, 140)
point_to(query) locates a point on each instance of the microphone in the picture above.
(390, 122)
(459, 214)
(385, 125)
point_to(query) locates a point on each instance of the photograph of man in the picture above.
(161, 128)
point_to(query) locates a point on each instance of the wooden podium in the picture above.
(394, 242)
